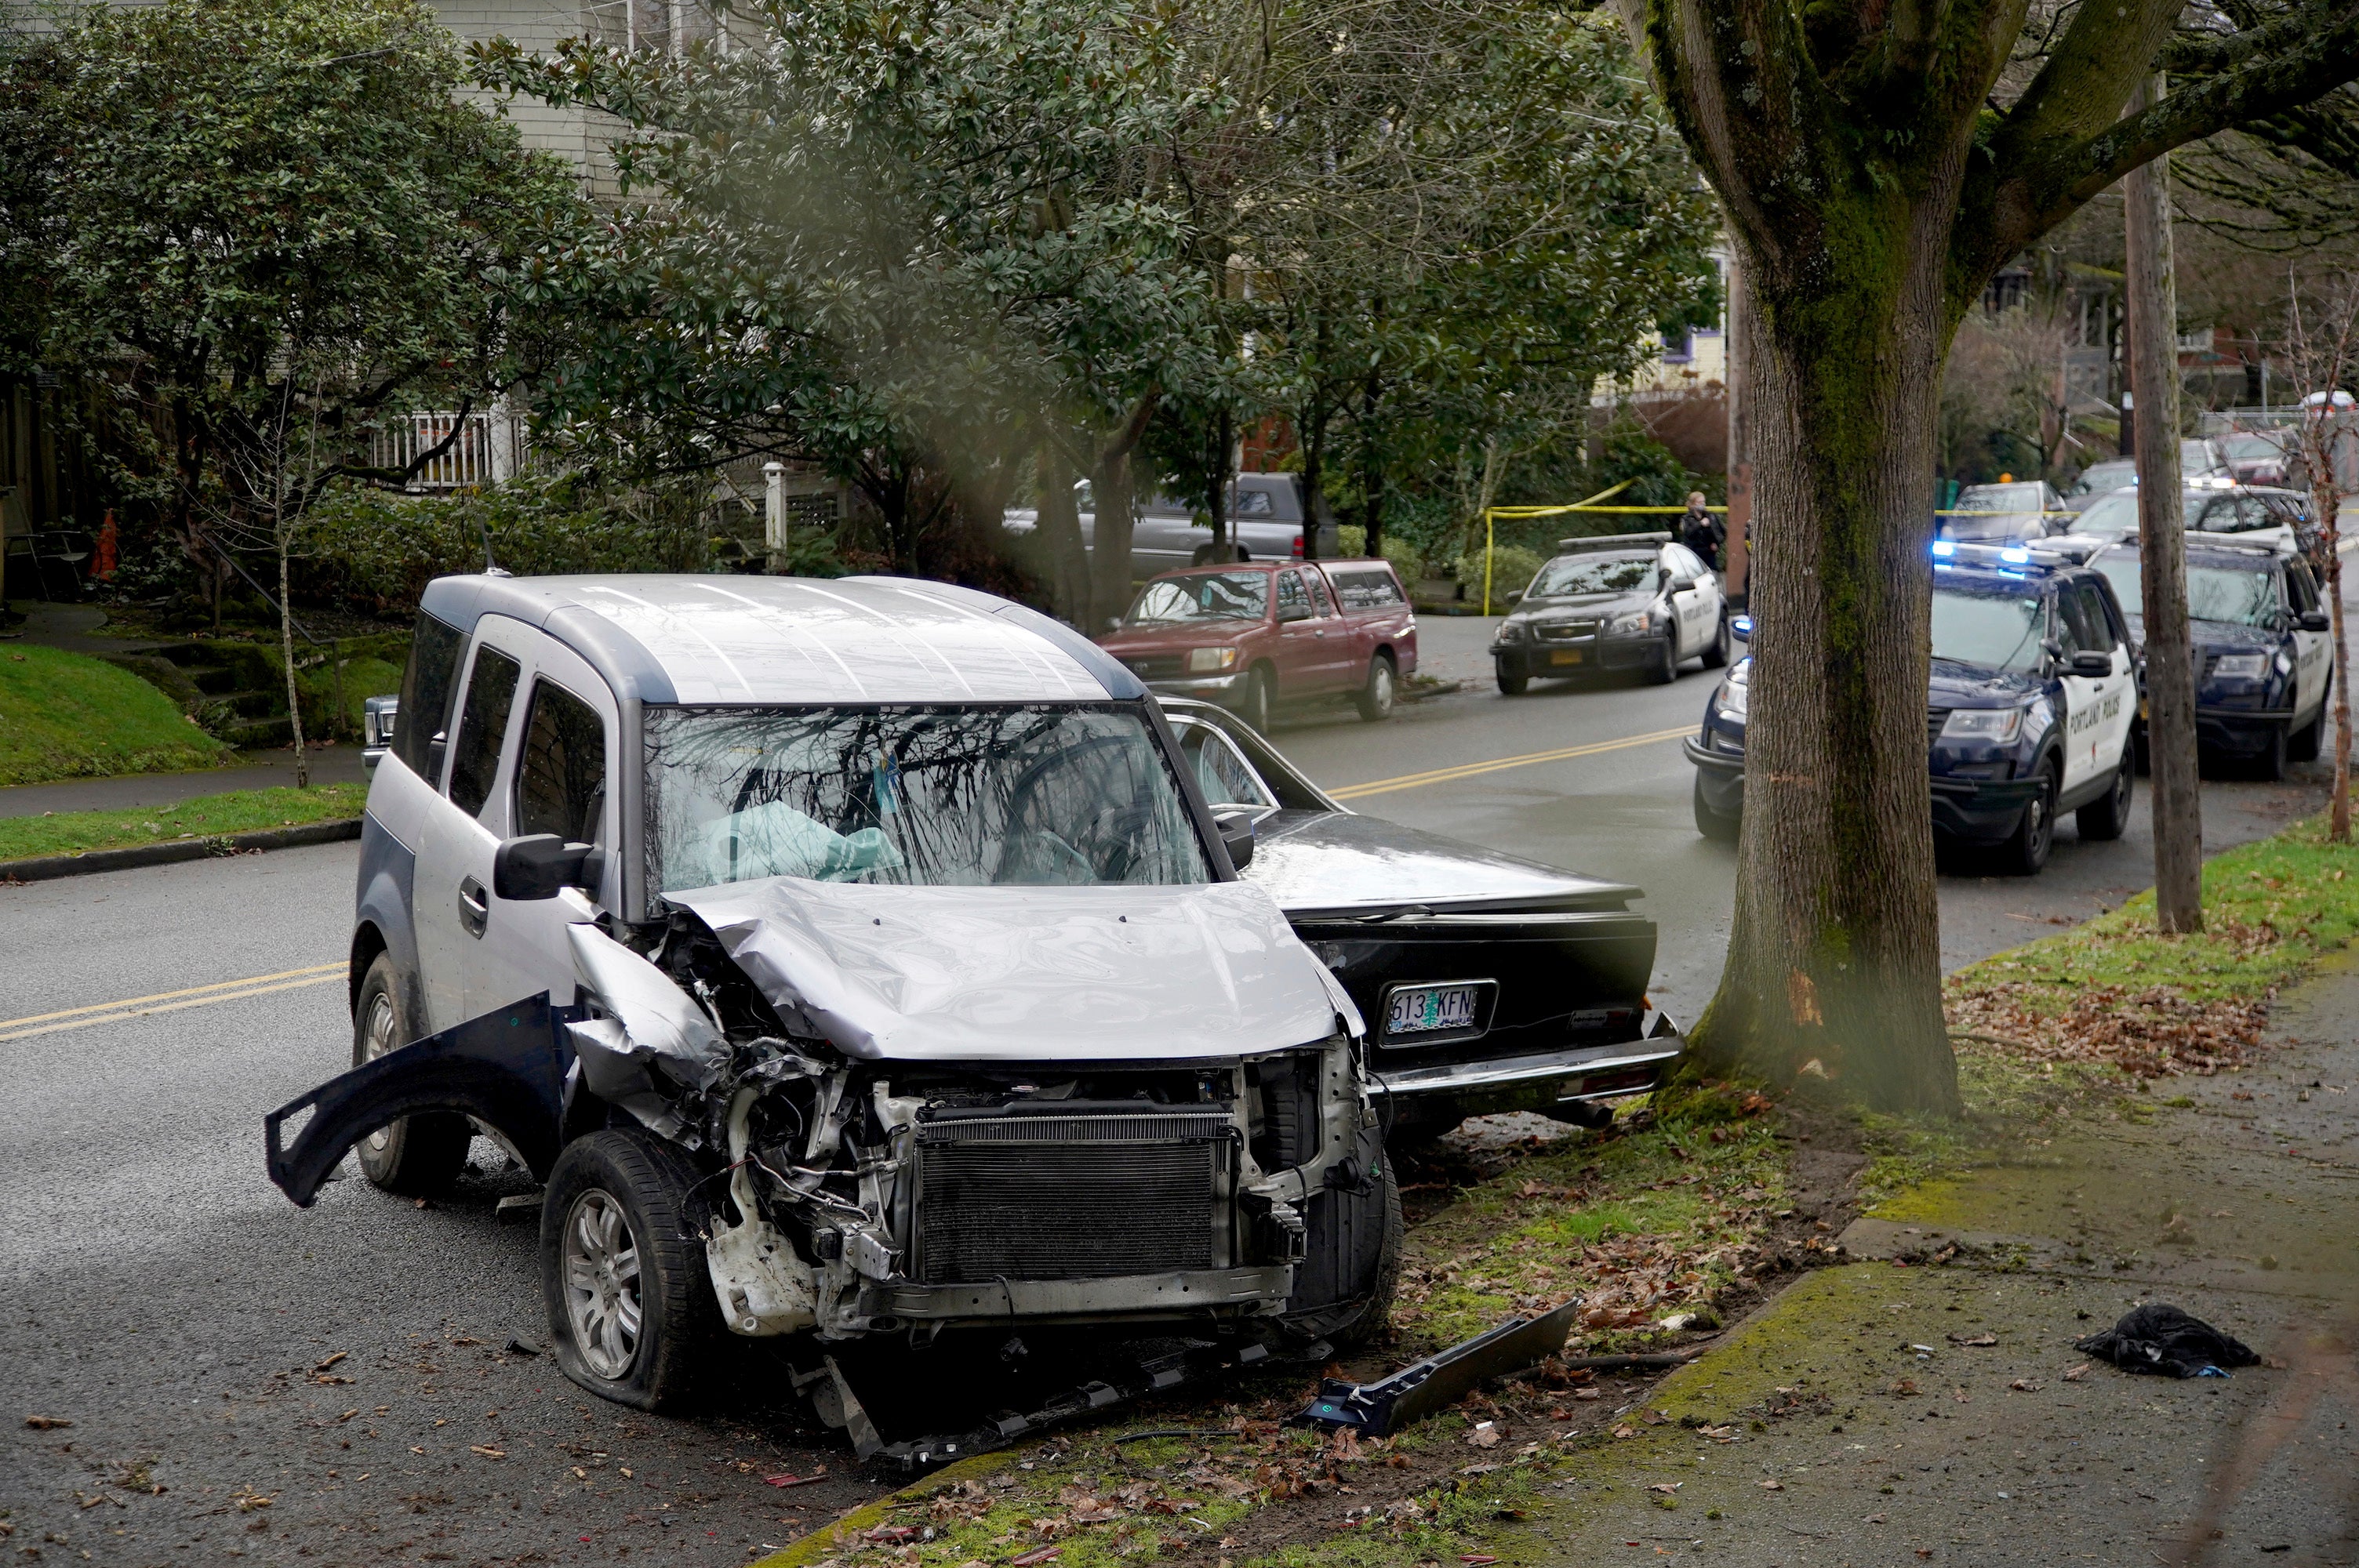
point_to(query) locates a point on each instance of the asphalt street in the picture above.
(220, 1375)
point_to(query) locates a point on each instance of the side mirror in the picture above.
(540, 864)
(1683, 585)
(1514, 596)
(2316, 620)
(2089, 662)
(1237, 838)
(1294, 613)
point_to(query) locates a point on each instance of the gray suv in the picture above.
(849, 959)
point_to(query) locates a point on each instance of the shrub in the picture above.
(1512, 568)
(1402, 552)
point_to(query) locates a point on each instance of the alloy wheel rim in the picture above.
(1384, 685)
(603, 1302)
(377, 1039)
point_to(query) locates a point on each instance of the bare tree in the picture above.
(2321, 349)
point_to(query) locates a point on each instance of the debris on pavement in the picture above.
(2166, 1342)
(1378, 1408)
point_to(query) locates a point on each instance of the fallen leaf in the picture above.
(1974, 1339)
(46, 1422)
(892, 1532)
(1773, 1485)
(2026, 1385)
(1625, 1432)
(332, 1360)
(490, 1452)
(1587, 1394)
(1904, 1387)
(782, 1480)
(1034, 1557)
(1924, 1551)
(349, 1414)
(1476, 1559)
(1873, 1519)
(1666, 1486)
(2074, 1374)
(1484, 1435)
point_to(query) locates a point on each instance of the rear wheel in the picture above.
(2108, 817)
(1379, 691)
(2025, 850)
(1716, 826)
(419, 1155)
(629, 1296)
(1260, 696)
(1512, 685)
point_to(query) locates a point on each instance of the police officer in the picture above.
(1701, 532)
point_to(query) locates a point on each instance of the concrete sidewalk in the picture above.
(1857, 1420)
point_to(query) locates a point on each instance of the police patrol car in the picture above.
(2030, 713)
(2262, 662)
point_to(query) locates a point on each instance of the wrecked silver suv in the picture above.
(849, 959)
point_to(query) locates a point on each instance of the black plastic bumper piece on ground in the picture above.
(505, 1069)
(1198, 1363)
(43, 868)
(1381, 1408)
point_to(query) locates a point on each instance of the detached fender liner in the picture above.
(506, 1069)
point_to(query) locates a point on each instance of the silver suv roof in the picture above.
(733, 638)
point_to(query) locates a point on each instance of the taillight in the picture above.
(1298, 547)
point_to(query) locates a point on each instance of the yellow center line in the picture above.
(171, 995)
(1472, 769)
(141, 1007)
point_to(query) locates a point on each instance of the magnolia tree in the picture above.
(1876, 162)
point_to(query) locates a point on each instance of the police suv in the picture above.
(2262, 664)
(2030, 714)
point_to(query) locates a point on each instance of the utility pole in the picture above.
(1737, 560)
(2153, 309)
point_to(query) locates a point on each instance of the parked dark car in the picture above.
(2263, 658)
(1489, 982)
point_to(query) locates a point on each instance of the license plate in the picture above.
(1566, 656)
(1457, 1011)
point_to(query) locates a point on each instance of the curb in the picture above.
(1413, 693)
(830, 1538)
(45, 867)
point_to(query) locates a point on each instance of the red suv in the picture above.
(1255, 635)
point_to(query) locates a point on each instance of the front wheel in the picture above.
(416, 1156)
(2026, 850)
(2108, 817)
(1722, 644)
(1379, 691)
(2303, 744)
(1259, 699)
(1512, 685)
(628, 1294)
(1664, 667)
(2270, 762)
(1716, 826)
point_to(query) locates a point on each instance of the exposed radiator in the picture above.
(1070, 1197)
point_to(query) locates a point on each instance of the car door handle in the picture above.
(475, 911)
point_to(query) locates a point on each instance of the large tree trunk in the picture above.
(1737, 554)
(1833, 964)
(1061, 539)
(1110, 534)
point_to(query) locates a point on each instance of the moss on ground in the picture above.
(210, 815)
(65, 715)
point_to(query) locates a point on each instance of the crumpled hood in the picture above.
(1028, 973)
(1955, 684)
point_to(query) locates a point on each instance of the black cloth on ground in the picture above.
(2166, 1342)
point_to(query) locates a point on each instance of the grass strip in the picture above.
(206, 817)
(68, 715)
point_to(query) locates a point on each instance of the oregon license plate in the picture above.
(1565, 657)
(1456, 1010)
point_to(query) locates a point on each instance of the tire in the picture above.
(1716, 826)
(2108, 818)
(1716, 652)
(1512, 685)
(2027, 850)
(1260, 698)
(631, 1314)
(1379, 691)
(1344, 1287)
(2303, 744)
(418, 1156)
(1664, 667)
(2269, 762)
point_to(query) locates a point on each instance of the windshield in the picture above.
(1594, 574)
(2247, 447)
(1997, 628)
(914, 797)
(2116, 516)
(2240, 595)
(2101, 477)
(1211, 596)
(2000, 498)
